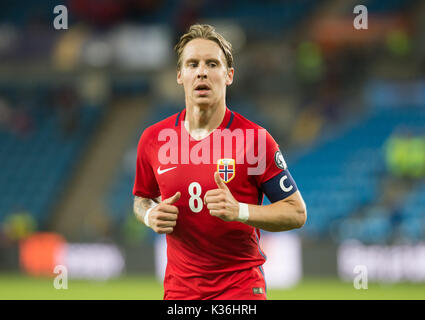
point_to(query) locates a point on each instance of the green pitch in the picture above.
(16, 286)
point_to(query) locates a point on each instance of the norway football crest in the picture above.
(226, 168)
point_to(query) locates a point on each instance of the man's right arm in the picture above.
(163, 216)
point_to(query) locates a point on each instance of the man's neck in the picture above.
(201, 121)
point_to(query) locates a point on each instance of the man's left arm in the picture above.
(286, 214)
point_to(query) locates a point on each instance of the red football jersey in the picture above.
(169, 160)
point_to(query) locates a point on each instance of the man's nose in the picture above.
(202, 72)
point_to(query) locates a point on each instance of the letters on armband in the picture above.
(280, 186)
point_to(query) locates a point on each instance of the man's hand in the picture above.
(163, 217)
(220, 202)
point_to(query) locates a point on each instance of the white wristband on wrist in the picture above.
(243, 212)
(146, 219)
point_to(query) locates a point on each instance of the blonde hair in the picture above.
(207, 32)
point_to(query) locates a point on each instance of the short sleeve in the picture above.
(276, 182)
(145, 184)
(273, 159)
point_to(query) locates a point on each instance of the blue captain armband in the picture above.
(280, 186)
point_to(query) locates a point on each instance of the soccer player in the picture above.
(201, 176)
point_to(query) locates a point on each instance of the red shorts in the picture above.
(246, 284)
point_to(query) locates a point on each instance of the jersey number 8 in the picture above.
(195, 201)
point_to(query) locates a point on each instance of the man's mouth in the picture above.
(202, 89)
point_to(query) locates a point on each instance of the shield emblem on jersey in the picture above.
(227, 169)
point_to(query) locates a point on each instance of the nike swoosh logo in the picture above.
(165, 170)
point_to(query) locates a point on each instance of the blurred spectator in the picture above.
(5, 115)
(188, 14)
(405, 155)
(398, 42)
(19, 225)
(109, 12)
(22, 122)
(307, 127)
(14, 120)
(329, 103)
(310, 62)
(101, 13)
(143, 8)
(66, 105)
(68, 47)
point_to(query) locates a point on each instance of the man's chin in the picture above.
(203, 102)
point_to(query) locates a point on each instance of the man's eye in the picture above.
(213, 64)
(192, 64)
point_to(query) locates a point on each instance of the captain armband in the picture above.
(280, 186)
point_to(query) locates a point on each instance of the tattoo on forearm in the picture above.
(141, 205)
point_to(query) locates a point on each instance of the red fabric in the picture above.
(237, 285)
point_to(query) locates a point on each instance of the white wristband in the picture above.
(243, 212)
(146, 219)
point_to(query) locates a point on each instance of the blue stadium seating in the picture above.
(341, 175)
(412, 225)
(35, 167)
(388, 6)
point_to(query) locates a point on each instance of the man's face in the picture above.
(204, 73)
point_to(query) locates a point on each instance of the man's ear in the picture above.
(179, 77)
(229, 76)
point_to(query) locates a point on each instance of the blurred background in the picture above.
(346, 106)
